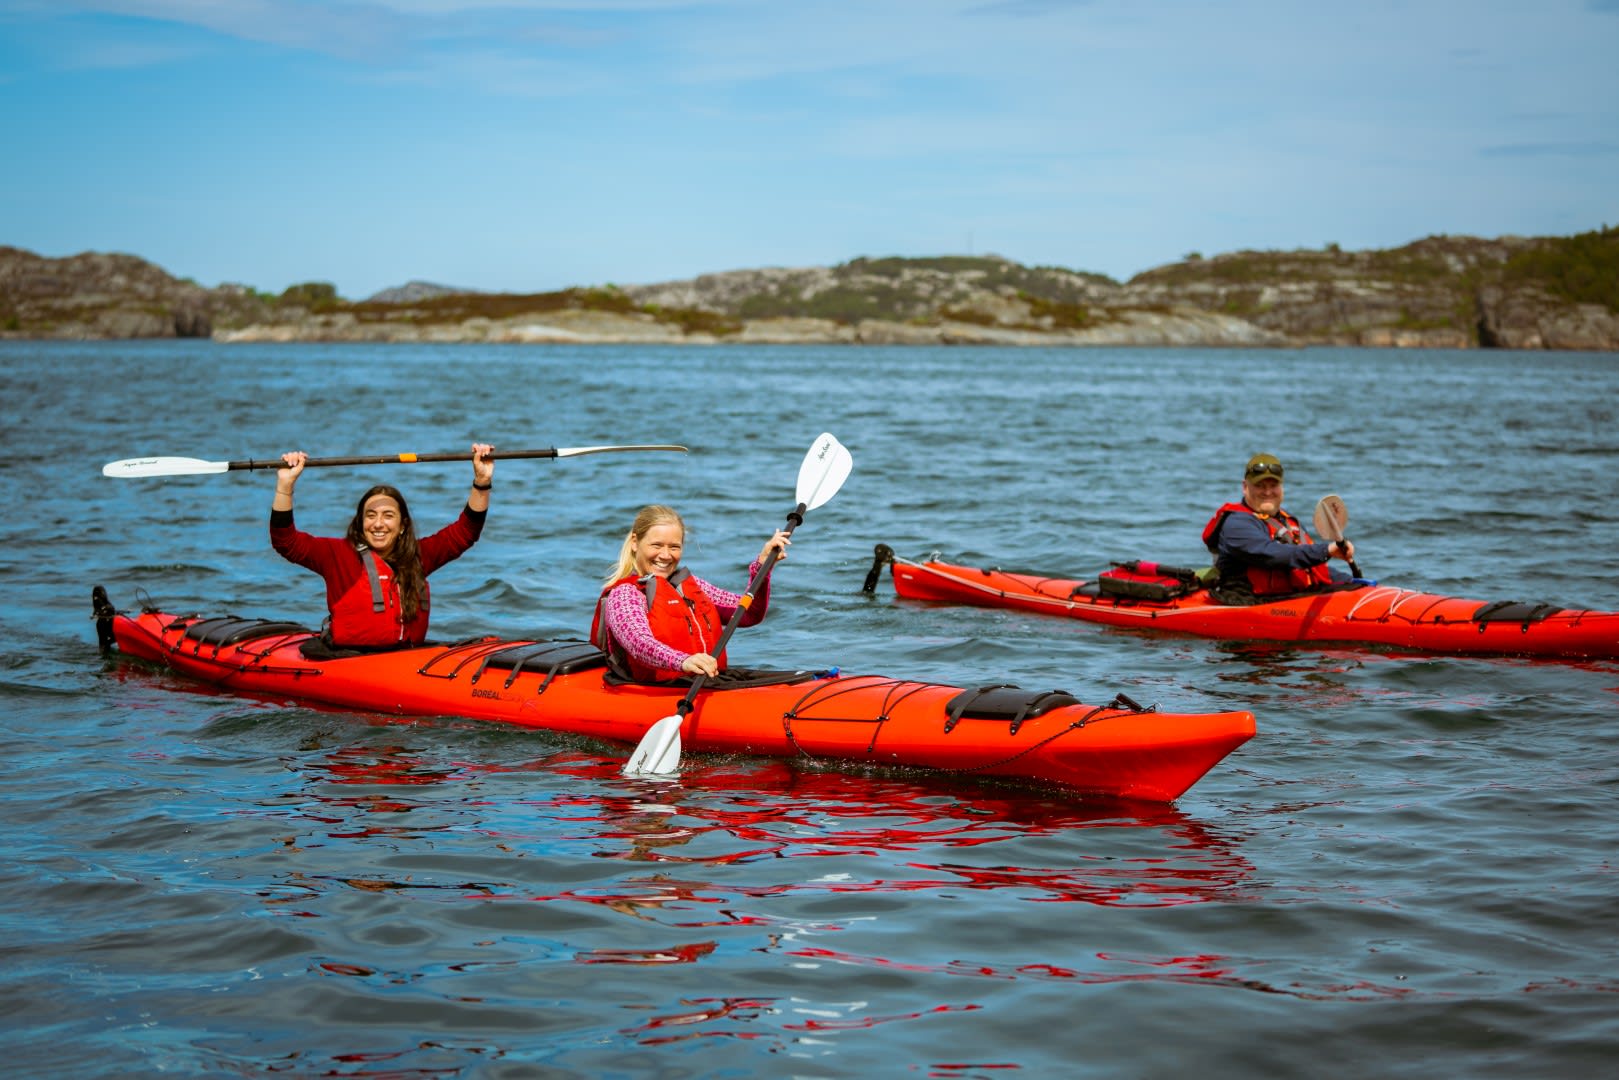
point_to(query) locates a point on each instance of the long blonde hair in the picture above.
(649, 518)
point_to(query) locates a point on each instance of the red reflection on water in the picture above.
(644, 896)
(712, 1009)
(392, 764)
(777, 811)
(720, 816)
(403, 1073)
(387, 765)
(954, 967)
(751, 1009)
(1601, 986)
(872, 1021)
(721, 813)
(1136, 883)
(1199, 965)
(738, 813)
(679, 954)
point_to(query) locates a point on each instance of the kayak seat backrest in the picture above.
(229, 630)
(548, 658)
(1513, 611)
(1004, 702)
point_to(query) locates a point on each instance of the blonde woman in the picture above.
(655, 619)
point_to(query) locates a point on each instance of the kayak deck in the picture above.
(1117, 749)
(1366, 615)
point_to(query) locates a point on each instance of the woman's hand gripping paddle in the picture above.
(1331, 518)
(823, 472)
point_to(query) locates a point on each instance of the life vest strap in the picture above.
(370, 561)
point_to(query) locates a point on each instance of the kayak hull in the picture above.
(1369, 615)
(1116, 750)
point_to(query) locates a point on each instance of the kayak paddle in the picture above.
(823, 472)
(184, 466)
(1331, 516)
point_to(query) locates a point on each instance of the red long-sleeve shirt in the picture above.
(336, 561)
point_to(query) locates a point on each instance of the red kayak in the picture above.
(1117, 749)
(1148, 596)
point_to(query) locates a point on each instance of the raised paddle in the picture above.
(1331, 517)
(184, 466)
(823, 472)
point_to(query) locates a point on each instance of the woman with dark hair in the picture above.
(376, 573)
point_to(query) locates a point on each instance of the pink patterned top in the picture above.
(624, 612)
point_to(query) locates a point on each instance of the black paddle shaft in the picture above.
(794, 520)
(391, 459)
(1343, 545)
(1343, 542)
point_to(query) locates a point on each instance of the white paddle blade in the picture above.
(658, 752)
(1331, 517)
(163, 466)
(825, 468)
(575, 451)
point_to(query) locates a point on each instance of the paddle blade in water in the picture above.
(825, 468)
(658, 752)
(163, 466)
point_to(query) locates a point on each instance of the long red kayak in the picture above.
(1366, 615)
(1118, 749)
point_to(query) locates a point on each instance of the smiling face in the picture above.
(380, 523)
(1263, 496)
(658, 550)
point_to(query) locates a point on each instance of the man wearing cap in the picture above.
(1260, 548)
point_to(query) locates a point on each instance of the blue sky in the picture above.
(528, 145)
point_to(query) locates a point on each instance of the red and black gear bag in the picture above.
(1140, 580)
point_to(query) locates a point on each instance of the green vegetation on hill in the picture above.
(1423, 262)
(1062, 315)
(922, 291)
(317, 296)
(847, 304)
(1582, 268)
(992, 271)
(459, 307)
(452, 308)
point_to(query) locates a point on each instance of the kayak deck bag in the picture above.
(1140, 580)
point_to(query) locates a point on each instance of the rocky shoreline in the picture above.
(1187, 327)
(1442, 292)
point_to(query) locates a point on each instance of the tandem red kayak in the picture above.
(1118, 749)
(1145, 596)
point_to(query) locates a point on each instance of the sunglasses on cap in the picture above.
(1264, 468)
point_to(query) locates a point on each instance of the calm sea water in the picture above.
(1410, 871)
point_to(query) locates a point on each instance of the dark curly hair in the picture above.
(403, 556)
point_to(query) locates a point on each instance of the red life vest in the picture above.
(680, 614)
(1270, 580)
(367, 613)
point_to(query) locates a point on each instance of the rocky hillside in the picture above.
(113, 296)
(1450, 292)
